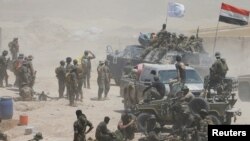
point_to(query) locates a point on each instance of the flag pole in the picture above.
(216, 33)
(215, 38)
(167, 14)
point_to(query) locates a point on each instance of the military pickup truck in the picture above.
(131, 89)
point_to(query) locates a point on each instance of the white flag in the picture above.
(176, 9)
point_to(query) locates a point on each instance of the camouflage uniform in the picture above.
(3, 67)
(129, 131)
(101, 79)
(14, 48)
(107, 79)
(217, 74)
(23, 74)
(68, 68)
(31, 70)
(80, 128)
(71, 83)
(103, 133)
(37, 137)
(79, 71)
(61, 74)
(86, 60)
(26, 93)
(16, 66)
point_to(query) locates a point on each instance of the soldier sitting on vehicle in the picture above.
(158, 91)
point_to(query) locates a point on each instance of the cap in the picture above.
(217, 54)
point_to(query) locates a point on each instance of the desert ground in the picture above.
(53, 30)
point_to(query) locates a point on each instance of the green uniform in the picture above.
(23, 74)
(107, 80)
(32, 73)
(80, 79)
(14, 49)
(101, 80)
(102, 132)
(3, 69)
(26, 93)
(71, 82)
(61, 74)
(68, 68)
(86, 60)
(80, 128)
(129, 132)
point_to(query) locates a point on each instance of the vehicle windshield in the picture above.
(191, 76)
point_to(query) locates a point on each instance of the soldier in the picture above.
(68, 68)
(31, 70)
(37, 137)
(16, 66)
(203, 125)
(3, 67)
(26, 92)
(127, 125)
(101, 79)
(79, 70)
(153, 129)
(14, 48)
(181, 71)
(86, 60)
(80, 126)
(71, 83)
(61, 74)
(217, 73)
(102, 132)
(107, 78)
(23, 74)
(187, 95)
(159, 90)
(2, 135)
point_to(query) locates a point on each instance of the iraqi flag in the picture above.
(233, 15)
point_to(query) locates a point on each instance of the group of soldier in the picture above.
(125, 129)
(171, 41)
(21, 66)
(74, 76)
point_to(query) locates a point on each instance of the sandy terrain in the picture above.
(52, 30)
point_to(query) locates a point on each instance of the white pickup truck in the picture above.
(131, 89)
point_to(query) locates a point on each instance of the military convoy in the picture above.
(220, 107)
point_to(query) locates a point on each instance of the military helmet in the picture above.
(192, 37)
(15, 39)
(68, 59)
(62, 62)
(5, 52)
(86, 52)
(185, 88)
(38, 135)
(178, 58)
(181, 36)
(101, 62)
(30, 57)
(75, 61)
(217, 54)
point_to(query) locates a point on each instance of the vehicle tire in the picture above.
(141, 121)
(197, 104)
(215, 120)
(117, 81)
(244, 91)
